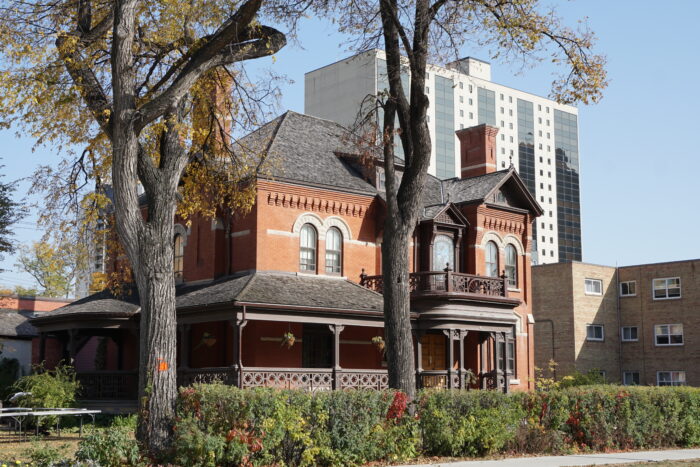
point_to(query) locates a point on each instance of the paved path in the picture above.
(582, 459)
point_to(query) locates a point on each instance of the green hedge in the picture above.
(221, 425)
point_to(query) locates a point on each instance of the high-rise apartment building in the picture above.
(537, 135)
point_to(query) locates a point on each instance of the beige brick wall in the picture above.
(643, 311)
(561, 305)
(552, 308)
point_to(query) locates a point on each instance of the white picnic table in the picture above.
(19, 414)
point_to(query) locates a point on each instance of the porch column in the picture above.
(506, 374)
(72, 345)
(184, 346)
(42, 347)
(460, 368)
(498, 359)
(450, 333)
(238, 325)
(485, 341)
(419, 358)
(336, 329)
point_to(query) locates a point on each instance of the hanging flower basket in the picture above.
(378, 341)
(288, 339)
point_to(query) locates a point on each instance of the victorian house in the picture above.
(291, 296)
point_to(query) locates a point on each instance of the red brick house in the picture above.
(306, 260)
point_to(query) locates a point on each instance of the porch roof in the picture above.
(283, 289)
(14, 323)
(278, 289)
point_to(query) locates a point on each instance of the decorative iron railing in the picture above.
(112, 385)
(363, 379)
(316, 379)
(431, 282)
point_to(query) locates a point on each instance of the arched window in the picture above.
(443, 252)
(307, 250)
(178, 256)
(511, 266)
(334, 251)
(491, 259)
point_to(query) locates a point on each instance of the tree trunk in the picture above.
(158, 337)
(397, 321)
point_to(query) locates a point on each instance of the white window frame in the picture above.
(671, 380)
(595, 339)
(653, 288)
(670, 344)
(628, 294)
(592, 281)
(639, 379)
(622, 334)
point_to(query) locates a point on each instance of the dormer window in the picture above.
(443, 252)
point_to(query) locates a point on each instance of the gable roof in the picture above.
(433, 212)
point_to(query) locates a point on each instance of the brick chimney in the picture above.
(212, 109)
(477, 150)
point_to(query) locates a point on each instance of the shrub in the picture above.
(9, 371)
(108, 447)
(43, 455)
(222, 425)
(48, 389)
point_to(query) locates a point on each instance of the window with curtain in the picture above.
(178, 257)
(334, 251)
(512, 266)
(307, 250)
(491, 259)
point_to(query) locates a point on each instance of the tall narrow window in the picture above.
(334, 251)
(511, 266)
(491, 259)
(307, 250)
(443, 252)
(178, 257)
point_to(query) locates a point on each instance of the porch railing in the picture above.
(111, 385)
(430, 282)
(189, 376)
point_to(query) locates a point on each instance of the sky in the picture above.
(638, 147)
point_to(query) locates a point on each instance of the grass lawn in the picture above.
(12, 450)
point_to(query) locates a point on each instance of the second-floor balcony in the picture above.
(437, 284)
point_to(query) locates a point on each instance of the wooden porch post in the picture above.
(419, 358)
(238, 325)
(336, 329)
(460, 369)
(484, 358)
(72, 345)
(498, 359)
(506, 374)
(450, 353)
(42, 347)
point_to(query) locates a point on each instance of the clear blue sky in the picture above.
(639, 152)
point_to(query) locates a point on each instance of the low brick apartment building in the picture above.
(636, 324)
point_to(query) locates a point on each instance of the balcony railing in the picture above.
(439, 282)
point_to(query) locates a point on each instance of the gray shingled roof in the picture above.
(267, 288)
(473, 188)
(279, 288)
(303, 148)
(15, 324)
(103, 303)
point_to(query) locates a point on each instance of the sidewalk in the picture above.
(580, 459)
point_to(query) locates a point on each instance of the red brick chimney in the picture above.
(477, 150)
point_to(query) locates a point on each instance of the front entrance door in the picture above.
(433, 359)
